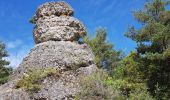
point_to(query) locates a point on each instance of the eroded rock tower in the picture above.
(56, 34)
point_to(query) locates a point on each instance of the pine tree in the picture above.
(4, 71)
(153, 40)
(105, 55)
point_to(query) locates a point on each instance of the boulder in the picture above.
(54, 8)
(63, 55)
(56, 34)
(58, 29)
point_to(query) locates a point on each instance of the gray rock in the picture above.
(54, 34)
(64, 55)
(63, 88)
(66, 87)
(14, 94)
(58, 28)
(54, 8)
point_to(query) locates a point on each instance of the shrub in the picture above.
(31, 82)
(95, 87)
(131, 91)
(100, 86)
(128, 80)
(140, 94)
(4, 80)
(4, 74)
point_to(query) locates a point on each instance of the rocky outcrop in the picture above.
(66, 87)
(63, 88)
(56, 33)
(54, 8)
(63, 28)
(63, 55)
(54, 21)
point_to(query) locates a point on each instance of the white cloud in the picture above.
(17, 50)
(14, 44)
(16, 57)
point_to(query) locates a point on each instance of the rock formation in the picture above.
(54, 21)
(56, 34)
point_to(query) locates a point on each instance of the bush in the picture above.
(4, 80)
(95, 87)
(128, 80)
(140, 94)
(131, 91)
(30, 81)
(4, 74)
(100, 86)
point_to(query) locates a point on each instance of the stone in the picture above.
(53, 21)
(56, 34)
(64, 88)
(58, 29)
(54, 8)
(63, 55)
(14, 94)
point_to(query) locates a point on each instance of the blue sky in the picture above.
(114, 15)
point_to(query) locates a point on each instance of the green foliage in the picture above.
(4, 74)
(131, 91)
(129, 69)
(105, 55)
(153, 41)
(140, 94)
(33, 20)
(4, 71)
(31, 81)
(129, 80)
(100, 86)
(95, 87)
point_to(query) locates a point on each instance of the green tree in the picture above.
(105, 55)
(4, 71)
(153, 40)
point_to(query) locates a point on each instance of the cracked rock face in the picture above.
(56, 28)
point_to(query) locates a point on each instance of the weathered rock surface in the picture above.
(64, 55)
(54, 8)
(64, 88)
(53, 21)
(56, 28)
(14, 94)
